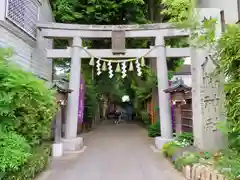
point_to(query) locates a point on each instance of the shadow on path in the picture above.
(114, 152)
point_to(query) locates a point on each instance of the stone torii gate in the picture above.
(77, 33)
(207, 93)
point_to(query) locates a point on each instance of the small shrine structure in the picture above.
(181, 97)
(59, 121)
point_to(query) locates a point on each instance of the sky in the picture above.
(187, 60)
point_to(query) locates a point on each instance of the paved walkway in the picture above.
(114, 152)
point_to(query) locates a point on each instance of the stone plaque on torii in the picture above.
(118, 41)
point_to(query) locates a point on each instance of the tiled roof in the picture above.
(62, 86)
(178, 86)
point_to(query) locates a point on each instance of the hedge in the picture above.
(27, 107)
(35, 164)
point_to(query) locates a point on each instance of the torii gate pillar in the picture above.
(71, 141)
(163, 98)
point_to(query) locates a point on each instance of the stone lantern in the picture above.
(61, 97)
(178, 91)
(62, 90)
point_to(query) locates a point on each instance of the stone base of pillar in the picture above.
(74, 144)
(160, 141)
(57, 150)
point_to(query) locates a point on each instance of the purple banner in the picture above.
(172, 108)
(81, 100)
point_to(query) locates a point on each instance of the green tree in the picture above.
(99, 12)
(113, 12)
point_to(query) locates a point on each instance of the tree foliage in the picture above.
(113, 12)
(99, 12)
(177, 11)
(229, 65)
(225, 54)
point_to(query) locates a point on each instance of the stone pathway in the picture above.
(114, 152)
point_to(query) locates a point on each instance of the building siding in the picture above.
(230, 8)
(30, 55)
(22, 51)
(41, 65)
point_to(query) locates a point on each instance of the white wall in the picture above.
(46, 14)
(187, 60)
(230, 8)
(187, 79)
(2, 9)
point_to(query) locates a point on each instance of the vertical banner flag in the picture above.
(172, 108)
(81, 100)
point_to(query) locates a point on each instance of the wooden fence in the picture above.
(186, 115)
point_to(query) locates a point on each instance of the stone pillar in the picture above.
(71, 142)
(163, 98)
(57, 148)
(207, 93)
(207, 103)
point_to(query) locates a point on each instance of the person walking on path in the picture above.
(119, 114)
(129, 110)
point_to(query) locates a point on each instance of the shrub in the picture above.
(165, 148)
(26, 110)
(185, 139)
(186, 159)
(229, 164)
(172, 150)
(27, 105)
(145, 117)
(169, 149)
(14, 151)
(154, 130)
(229, 65)
(35, 164)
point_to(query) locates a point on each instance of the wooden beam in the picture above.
(107, 53)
